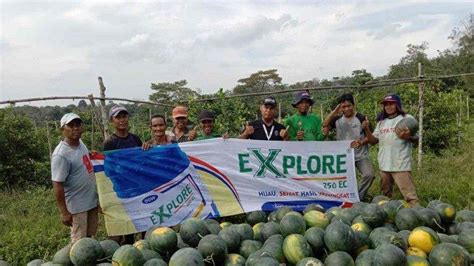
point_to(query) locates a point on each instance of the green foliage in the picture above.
(172, 92)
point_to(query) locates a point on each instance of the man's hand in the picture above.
(300, 135)
(66, 218)
(192, 135)
(404, 134)
(356, 144)
(365, 124)
(248, 130)
(146, 146)
(325, 130)
(226, 135)
(284, 133)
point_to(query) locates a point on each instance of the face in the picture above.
(120, 121)
(207, 126)
(390, 108)
(347, 108)
(267, 111)
(158, 127)
(180, 122)
(303, 106)
(73, 130)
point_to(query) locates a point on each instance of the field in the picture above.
(30, 227)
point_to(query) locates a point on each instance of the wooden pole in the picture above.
(467, 108)
(49, 140)
(279, 112)
(102, 108)
(322, 116)
(421, 101)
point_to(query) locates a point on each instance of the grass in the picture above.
(30, 226)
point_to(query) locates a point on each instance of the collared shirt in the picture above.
(183, 138)
(263, 132)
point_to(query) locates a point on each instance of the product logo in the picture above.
(150, 199)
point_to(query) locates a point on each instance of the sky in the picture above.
(59, 48)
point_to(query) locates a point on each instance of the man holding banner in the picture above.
(266, 128)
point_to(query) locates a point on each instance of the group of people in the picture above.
(73, 175)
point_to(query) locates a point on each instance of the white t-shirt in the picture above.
(394, 152)
(72, 166)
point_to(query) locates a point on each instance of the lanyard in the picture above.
(266, 132)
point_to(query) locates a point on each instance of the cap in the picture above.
(67, 118)
(270, 100)
(394, 98)
(180, 111)
(116, 109)
(302, 95)
(206, 115)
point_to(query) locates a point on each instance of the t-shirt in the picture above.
(351, 129)
(394, 153)
(115, 142)
(264, 132)
(72, 166)
(311, 125)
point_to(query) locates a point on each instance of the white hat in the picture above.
(68, 118)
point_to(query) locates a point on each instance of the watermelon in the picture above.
(362, 242)
(142, 244)
(231, 238)
(234, 260)
(188, 257)
(449, 254)
(274, 247)
(62, 256)
(365, 258)
(255, 256)
(213, 228)
(414, 251)
(191, 231)
(359, 206)
(423, 238)
(163, 240)
(451, 229)
(36, 262)
(85, 251)
(108, 248)
(257, 231)
(296, 248)
(408, 122)
(361, 227)
(388, 255)
(446, 239)
(292, 223)
(358, 219)
(313, 207)
(373, 215)
(332, 212)
(464, 216)
(211, 221)
(446, 211)
(225, 224)
(315, 238)
(408, 219)
(431, 219)
(213, 249)
(388, 237)
(391, 209)
(248, 247)
(150, 254)
(339, 258)
(463, 226)
(433, 203)
(245, 231)
(347, 215)
(181, 243)
(380, 198)
(256, 217)
(148, 232)
(391, 227)
(316, 218)
(266, 261)
(417, 261)
(466, 240)
(155, 262)
(404, 234)
(269, 229)
(339, 237)
(128, 255)
(309, 261)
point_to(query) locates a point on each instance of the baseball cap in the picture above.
(302, 95)
(116, 109)
(67, 118)
(180, 111)
(206, 115)
(270, 100)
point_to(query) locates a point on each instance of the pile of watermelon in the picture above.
(384, 232)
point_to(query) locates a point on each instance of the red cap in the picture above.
(180, 111)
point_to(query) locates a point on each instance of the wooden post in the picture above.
(102, 108)
(467, 108)
(279, 112)
(322, 115)
(93, 130)
(421, 100)
(96, 115)
(49, 140)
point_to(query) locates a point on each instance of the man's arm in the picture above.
(370, 138)
(66, 216)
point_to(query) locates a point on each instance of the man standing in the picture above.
(304, 125)
(266, 128)
(206, 120)
(349, 127)
(121, 138)
(180, 129)
(73, 179)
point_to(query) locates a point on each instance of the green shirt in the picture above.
(311, 124)
(213, 135)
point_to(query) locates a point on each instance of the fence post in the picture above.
(421, 100)
(102, 108)
(279, 112)
(467, 108)
(49, 140)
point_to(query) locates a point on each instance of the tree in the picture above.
(361, 76)
(408, 65)
(172, 92)
(263, 80)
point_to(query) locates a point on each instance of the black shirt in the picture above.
(259, 131)
(115, 142)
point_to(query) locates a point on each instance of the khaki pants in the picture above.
(404, 182)
(84, 224)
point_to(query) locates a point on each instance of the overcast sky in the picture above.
(59, 48)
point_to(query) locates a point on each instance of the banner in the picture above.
(211, 178)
